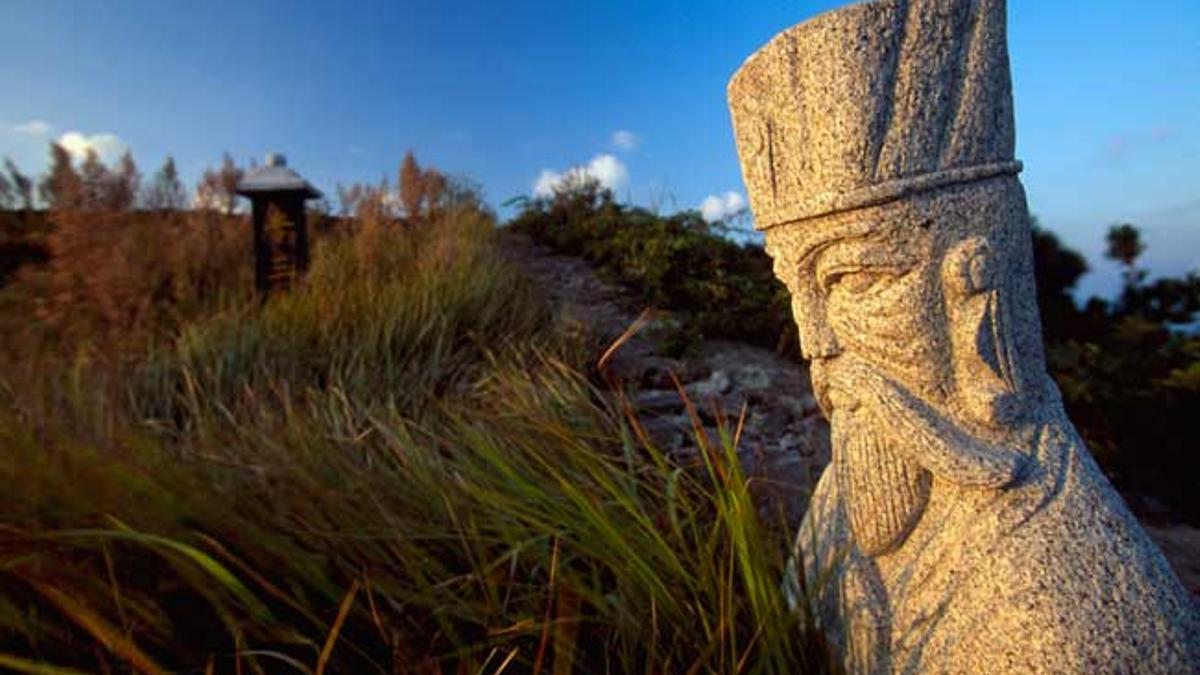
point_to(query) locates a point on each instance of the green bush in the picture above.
(721, 288)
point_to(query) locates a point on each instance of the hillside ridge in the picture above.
(785, 441)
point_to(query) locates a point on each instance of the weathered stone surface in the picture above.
(963, 526)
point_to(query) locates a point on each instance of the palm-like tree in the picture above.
(1124, 246)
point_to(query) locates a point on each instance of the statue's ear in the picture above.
(969, 268)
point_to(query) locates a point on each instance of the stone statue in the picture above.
(962, 526)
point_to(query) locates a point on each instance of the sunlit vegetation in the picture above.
(1129, 368)
(400, 466)
(722, 289)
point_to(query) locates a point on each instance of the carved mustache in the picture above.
(925, 436)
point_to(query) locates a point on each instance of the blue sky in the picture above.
(1107, 96)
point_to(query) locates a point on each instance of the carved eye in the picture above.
(854, 281)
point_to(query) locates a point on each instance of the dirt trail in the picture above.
(785, 442)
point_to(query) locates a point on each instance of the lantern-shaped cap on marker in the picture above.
(275, 176)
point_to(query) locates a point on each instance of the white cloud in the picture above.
(719, 207)
(108, 146)
(609, 170)
(605, 169)
(33, 128)
(546, 181)
(625, 140)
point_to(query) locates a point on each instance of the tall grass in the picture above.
(384, 319)
(398, 467)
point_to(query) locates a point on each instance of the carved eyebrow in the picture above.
(813, 254)
(855, 252)
(848, 232)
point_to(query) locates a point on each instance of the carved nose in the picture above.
(817, 341)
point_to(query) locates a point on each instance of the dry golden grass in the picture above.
(400, 466)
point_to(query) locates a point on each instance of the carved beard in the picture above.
(888, 444)
(885, 492)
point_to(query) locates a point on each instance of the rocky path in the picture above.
(785, 442)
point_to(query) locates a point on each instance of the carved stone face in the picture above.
(902, 309)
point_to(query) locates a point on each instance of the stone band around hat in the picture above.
(819, 206)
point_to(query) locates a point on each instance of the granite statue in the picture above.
(962, 526)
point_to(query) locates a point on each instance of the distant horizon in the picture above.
(515, 96)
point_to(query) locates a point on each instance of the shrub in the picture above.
(117, 280)
(721, 288)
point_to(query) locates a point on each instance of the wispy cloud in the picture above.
(625, 140)
(1119, 146)
(605, 169)
(33, 128)
(720, 207)
(108, 146)
(1116, 147)
(1163, 133)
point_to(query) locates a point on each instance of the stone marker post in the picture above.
(277, 195)
(964, 526)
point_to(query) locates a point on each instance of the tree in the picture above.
(1057, 269)
(22, 185)
(349, 197)
(412, 186)
(217, 189)
(230, 175)
(1124, 246)
(125, 183)
(7, 194)
(95, 182)
(434, 187)
(61, 188)
(461, 193)
(1168, 300)
(166, 191)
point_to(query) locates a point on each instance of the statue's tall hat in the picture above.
(873, 102)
